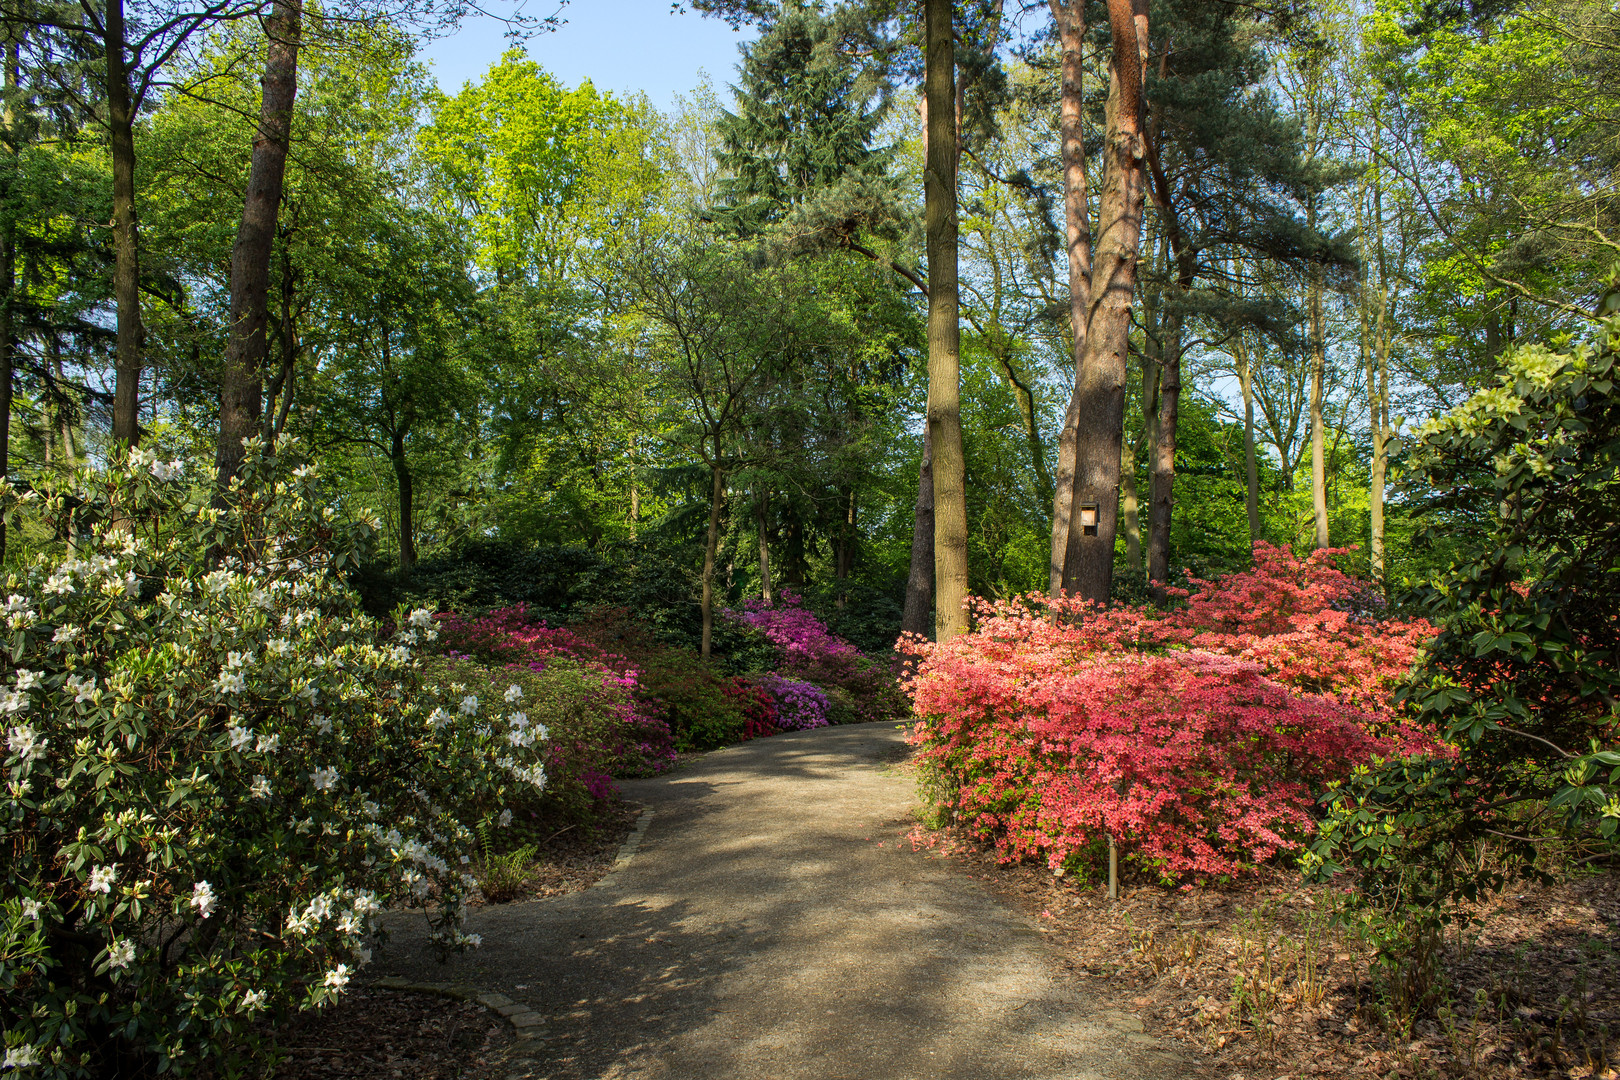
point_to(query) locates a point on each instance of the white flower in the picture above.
(520, 737)
(518, 719)
(505, 818)
(32, 909)
(279, 646)
(252, 1001)
(239, 659)
(324, 779)
(469, 705)
(27, 680)
(323, 724)
(21, 1057)
(437, 719)
(475, 940)
(202, 898)
(66, 634)
(422, 618)
(83, 688)
(260, 788)
(338, 977)
(121, 953)
(25, 743)
(240, 737)
(217, 581)
(102, 878)
(14, 701)
(304, 472)
(268, 744)
(514, 693)
(232, 682)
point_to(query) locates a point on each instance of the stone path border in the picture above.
(526, 1023)
(627, 851)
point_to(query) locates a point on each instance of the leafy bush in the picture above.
(1523, 676)
(1055, 724)
(858, 689)
(799, 705)
(218, 771)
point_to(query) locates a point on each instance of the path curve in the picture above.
(773, 924)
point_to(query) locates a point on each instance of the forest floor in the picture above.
(1261, 983)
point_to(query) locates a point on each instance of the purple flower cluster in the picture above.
(799, 705)
(797, 632)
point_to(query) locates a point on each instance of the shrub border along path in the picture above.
(773, 923)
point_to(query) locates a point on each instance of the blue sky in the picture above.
(620, 45)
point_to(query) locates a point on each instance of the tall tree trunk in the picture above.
(1161, 503)
(126, 426)
(1318, 346)
(918, 615)
(844, 560)
(242, 386)
(407, 504)
(1377, 365)
(1130, 508)
(944, 329)
(8, 287)
(1101, 374)
(711, 548)
(1251, 464)
(762, 509)
(1070, 21)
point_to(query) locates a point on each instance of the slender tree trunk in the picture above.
(242, 388)
(1318, 345)
(8, 287)
(944, 329)
(1161, 506)
(1101, 374)
(844, 561)
(1130, 508)
(635, 491)
(918, 615)
(407, 504)
(1251, 464)
(126, 426)
(1032, 430)
(64, 418)
(1070, 21)
(711, 549)
(762, 507)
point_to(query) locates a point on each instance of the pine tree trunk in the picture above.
(1101, 375)
(919, 610)
(407, 504)
(711, 548)
(126, 426)
(944, 330)
(1161, 505)
(1070, 22)
(242, 387)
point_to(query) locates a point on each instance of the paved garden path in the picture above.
(773, 924)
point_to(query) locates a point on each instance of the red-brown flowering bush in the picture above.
(1198, 738)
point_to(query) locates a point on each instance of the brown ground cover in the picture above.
(1263, 983)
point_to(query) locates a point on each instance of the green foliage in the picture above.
(1523, 676)
(218, 771)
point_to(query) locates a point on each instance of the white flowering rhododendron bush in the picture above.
(217, 771)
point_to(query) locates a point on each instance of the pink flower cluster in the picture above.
(1197, 738)
(802, 637)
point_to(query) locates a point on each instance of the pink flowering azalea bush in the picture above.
(1198, 738)
(858, 689)
(799, 705)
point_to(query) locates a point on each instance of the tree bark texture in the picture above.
(711, 548)
(918, 615)
(1251, 464)
(241, 395)
(1100, 375)
(1161, 504)
(8, 287)
(126, 426)
(761, 515)
(407, 503)
(1318, 346)
(944, 329)
(1070, 21)
(1130, 508)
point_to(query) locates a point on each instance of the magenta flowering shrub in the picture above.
(636, 740)
(857, 688)
(799, 705)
